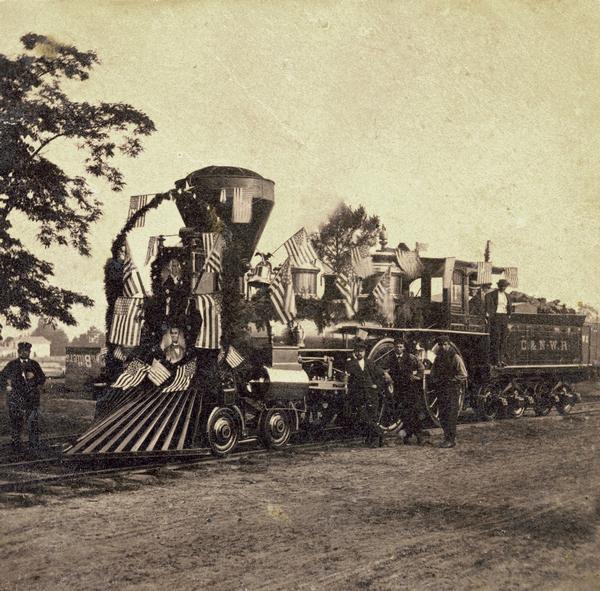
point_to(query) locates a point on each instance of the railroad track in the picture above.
(32, 474)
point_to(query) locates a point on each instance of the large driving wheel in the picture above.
(542, 396)
(487, 401)
(222, 432)
(275, 428)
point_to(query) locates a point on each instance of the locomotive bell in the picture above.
(261, 274)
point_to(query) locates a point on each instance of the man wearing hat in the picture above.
(498, 308)
(364, 384)
(406, 371)
(448, 375)
(21, 379)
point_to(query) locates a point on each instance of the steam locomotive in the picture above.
(157, 405)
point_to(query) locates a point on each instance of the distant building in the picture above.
(40, 347)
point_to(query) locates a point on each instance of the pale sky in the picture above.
(455, 121)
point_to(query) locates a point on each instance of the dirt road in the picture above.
(515, 506)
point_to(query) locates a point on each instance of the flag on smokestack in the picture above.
(127, 321)
(282, 293)
(410, 264)
(511, 274)
(484, 272)
(132, 282)
(300, 249)
(361, 260)
(136, 202)
(242, 206)
(348, 285)
(383, 295)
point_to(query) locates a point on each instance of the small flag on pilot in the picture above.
(183, 377)
(242, 206)
(233, 358)
(133, 376)
(158, 373)
(136, 202)
(127, 321)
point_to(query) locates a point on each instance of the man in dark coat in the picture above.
(22, 378)
(365, 380)
(448, 376)
(498, 308)
(406, 371)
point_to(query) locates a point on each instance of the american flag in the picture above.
(349, 287)
(233, 358)
(127, 321)
(183, 377)
(282, 293)
(213, 262)
(242, 206)
(300, 249)
(511, 274)
(410, 264)
(158, 374)
(361, 260)
(136, 202)
(209, 336)
(208, 241)
(133, 376)
(152, 249)
(223, 196)
(383, 295)
(484, 272)
(132, 282)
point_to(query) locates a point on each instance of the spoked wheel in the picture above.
(390, 413)
(430, 396)
(567, 399)
(488, 406)
(542, 399)
(222, 432)
(275, 428)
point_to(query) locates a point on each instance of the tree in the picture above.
(57, 336)
(92, 337)
(345, 229)
(35, 113)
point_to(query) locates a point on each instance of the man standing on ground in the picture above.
(22, 378)
(406, 371)
(448, 377)
(498, 308)
(364, 384)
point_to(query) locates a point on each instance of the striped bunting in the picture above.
(213, 262)
(242, 206)
(349, 288)
(133, 376)
(209, 336)
(300, 249)
(136, 202)
(127, 321)
(384, 297)
(361, 260)
(410, 264)
(158, 374)
(484, 272)
(132, 282)
(282, 293)
(183, 377)
(511, 274)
